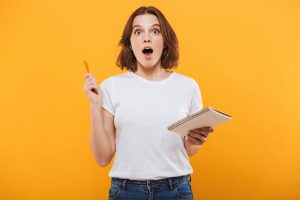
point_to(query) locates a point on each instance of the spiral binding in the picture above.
(174, 125)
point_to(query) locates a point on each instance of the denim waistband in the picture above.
(172, 181)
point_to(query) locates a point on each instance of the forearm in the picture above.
(191, 149)
(99, 139)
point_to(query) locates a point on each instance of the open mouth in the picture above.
(147, 51)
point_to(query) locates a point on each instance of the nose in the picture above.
(146, 38)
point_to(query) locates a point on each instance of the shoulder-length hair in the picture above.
(170, 54)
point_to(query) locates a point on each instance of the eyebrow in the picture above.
(140, 25)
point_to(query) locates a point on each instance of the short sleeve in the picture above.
(108, 97)
(196, 101)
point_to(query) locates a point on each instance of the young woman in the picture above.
(130, 113)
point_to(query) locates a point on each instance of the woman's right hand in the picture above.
(92, 84)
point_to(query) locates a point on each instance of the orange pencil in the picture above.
(88, 71)
(86, 66)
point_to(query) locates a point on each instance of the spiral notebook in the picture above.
(206, 117)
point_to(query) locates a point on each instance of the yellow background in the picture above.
(244, 55)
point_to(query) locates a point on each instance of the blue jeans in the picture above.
(174, 188)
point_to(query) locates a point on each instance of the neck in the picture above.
(153, 73)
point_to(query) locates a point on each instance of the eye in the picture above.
(156, 31)
(137, 31)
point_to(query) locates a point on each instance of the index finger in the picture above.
(86, 75)
(203, 128)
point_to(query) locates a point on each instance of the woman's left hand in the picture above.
(199, 135)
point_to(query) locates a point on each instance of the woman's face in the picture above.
(146, 41)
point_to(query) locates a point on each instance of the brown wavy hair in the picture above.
(170, 54)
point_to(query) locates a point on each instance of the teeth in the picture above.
(147, 50)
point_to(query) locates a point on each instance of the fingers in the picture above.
(206, 129)
(199, 133)
(198, 136)
(89, 78)
(195, 140)
(88, 75)
(91, 85)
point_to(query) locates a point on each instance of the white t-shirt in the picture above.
(142, 109)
